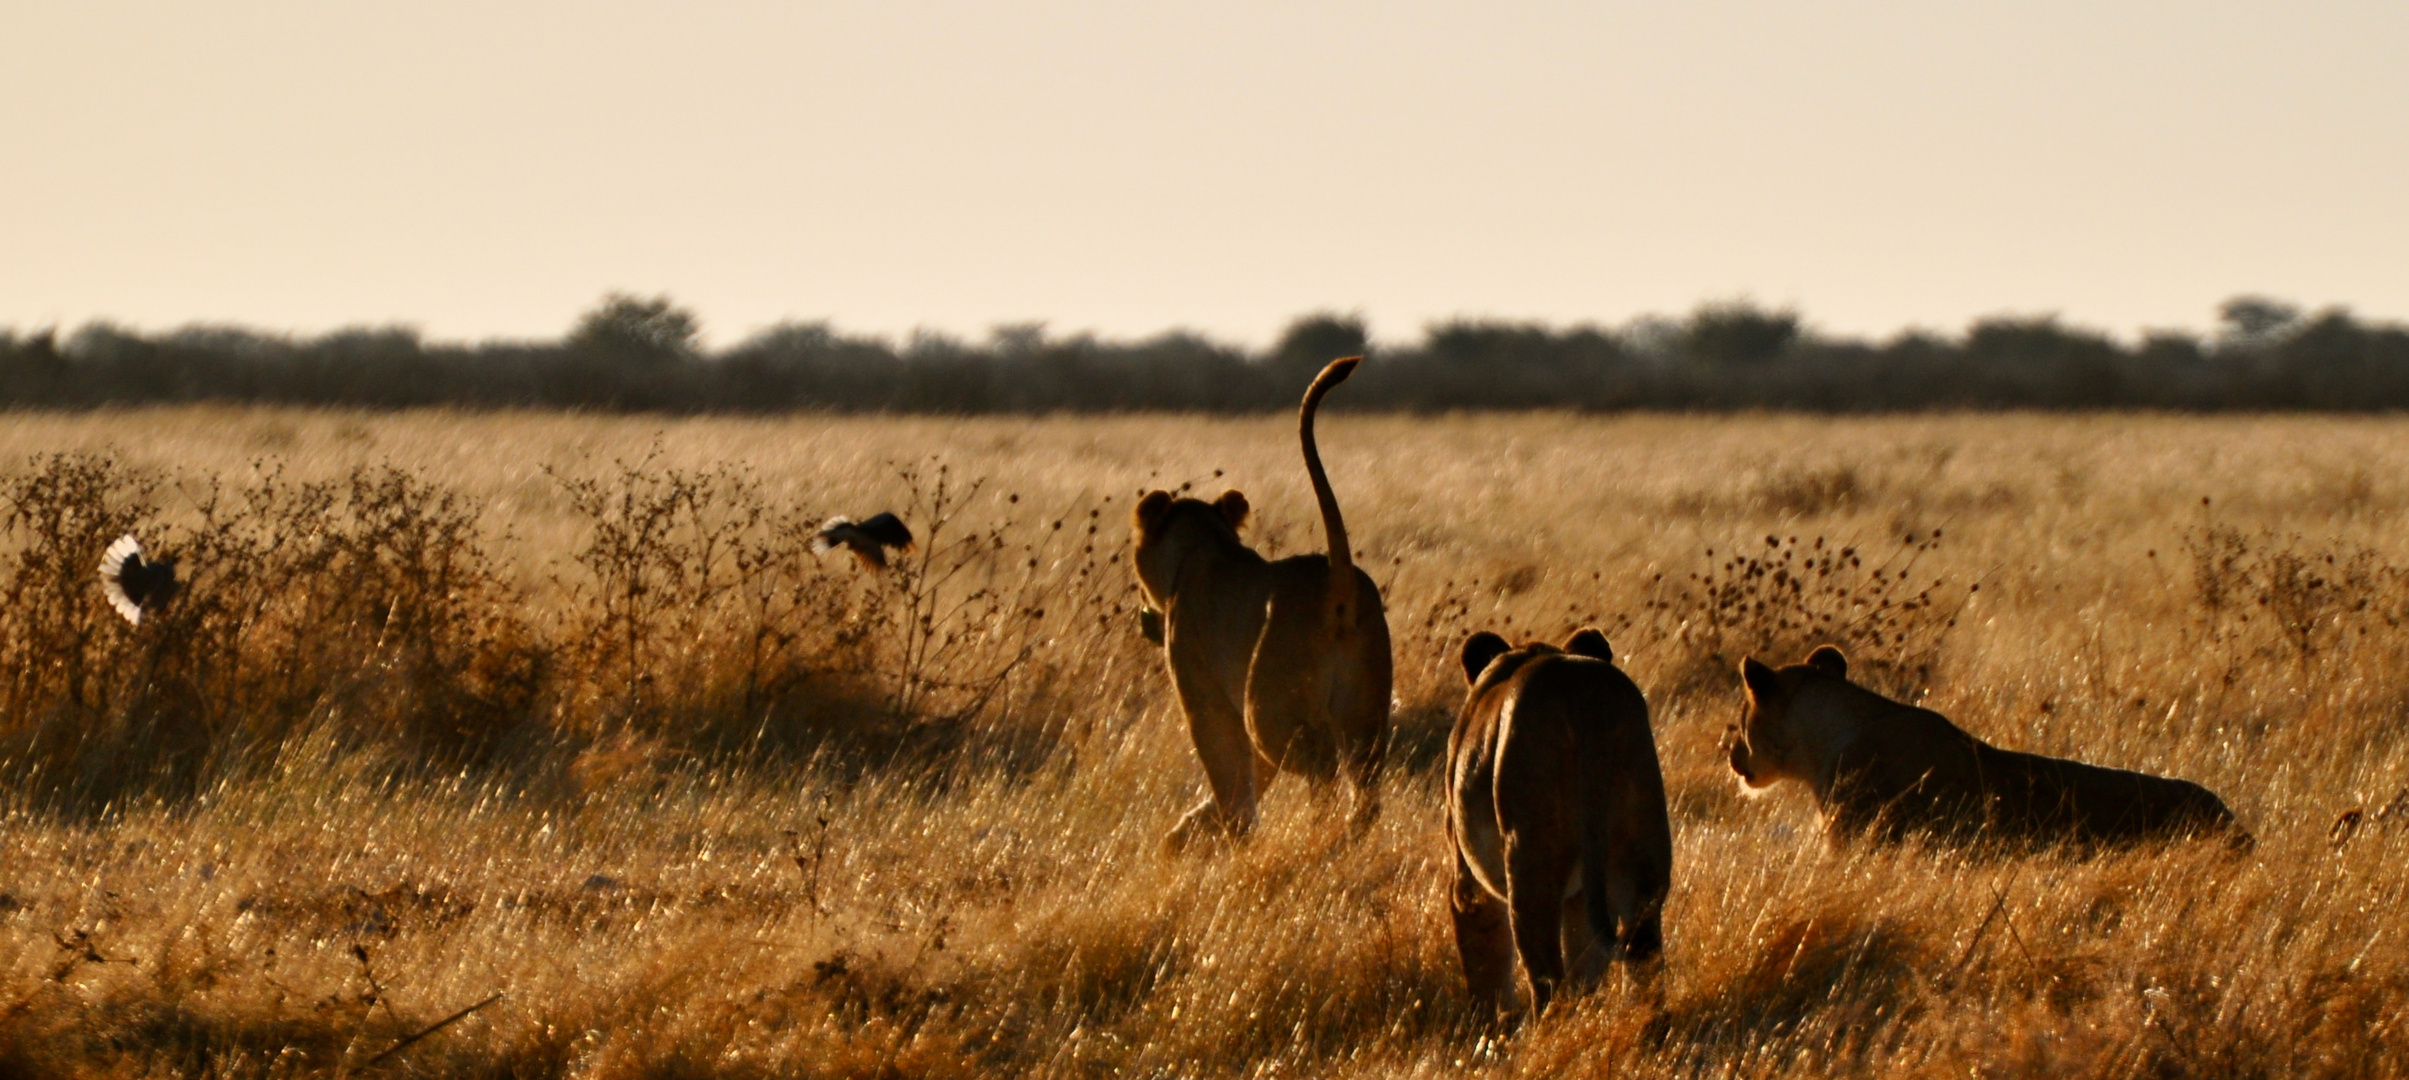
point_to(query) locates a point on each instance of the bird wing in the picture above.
(888, 529)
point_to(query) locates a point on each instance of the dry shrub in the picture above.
(367, 602)
(691, 622)
(2309, 600)
(2323, 620)
(1779, 599)
(57, 646)
(697, 619)
(364, 604)
(1002, 628)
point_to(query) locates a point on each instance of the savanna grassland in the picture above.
(551, 727)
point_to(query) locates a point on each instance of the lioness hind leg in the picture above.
(1363, 788)
(1484, 939)
(1359, 726)
(1631, 906)
(1644, 938)
(1535, 881)
(1585, 956)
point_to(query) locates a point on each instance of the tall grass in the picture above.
(562, 709)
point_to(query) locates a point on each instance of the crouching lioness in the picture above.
(1883, 769)
(1556, 807)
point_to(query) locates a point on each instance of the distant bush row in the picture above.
(639, 354)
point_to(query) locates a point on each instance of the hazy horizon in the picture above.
(489, 173)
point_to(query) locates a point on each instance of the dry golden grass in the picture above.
(664, 876)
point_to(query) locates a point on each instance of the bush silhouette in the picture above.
(644, 354)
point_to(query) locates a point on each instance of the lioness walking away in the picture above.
(1891, 770)
(1556, 807)
(1278, 665)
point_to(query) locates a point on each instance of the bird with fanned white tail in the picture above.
(133, 584)
(868, 540)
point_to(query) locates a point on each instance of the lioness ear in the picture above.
(1763, 684)
(1150, 511)
(1482, 648)
(1232, 505)
(1591, 642)
(1827, 658)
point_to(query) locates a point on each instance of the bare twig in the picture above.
(360, 952)
(2166, 1030)
(438, 1025)
(810, 865)
(1998, 904)
(2018, 938)
(82, 950)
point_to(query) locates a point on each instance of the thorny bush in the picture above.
(691, 621)
(1779, 597)
(2280, 597)
(361, 605)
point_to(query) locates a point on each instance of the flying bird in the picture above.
(133, 584)
(869, 540)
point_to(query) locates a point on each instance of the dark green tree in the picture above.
(1738, 333)
(637, 330)
(1317, 339)
(2257, 320)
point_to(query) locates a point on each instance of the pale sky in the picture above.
(491, 169)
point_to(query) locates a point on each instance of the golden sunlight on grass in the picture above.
(559, 709)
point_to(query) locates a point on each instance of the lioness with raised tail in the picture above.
(1886, 770)
(1280, 666)
(1556, 806)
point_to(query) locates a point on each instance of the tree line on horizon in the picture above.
(644, 354)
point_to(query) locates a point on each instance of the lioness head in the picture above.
(1167, 527)
(1765, 748)
(1484, 647)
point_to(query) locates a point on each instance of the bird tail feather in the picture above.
(113, 562)
(824, 541)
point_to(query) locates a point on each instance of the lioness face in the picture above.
(1760, 726)
(1765, 748)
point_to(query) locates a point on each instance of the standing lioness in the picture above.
(1556, 806)
(1892, 770)
(1279, 665)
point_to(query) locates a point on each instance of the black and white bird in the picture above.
(869, 540)
(133, 584)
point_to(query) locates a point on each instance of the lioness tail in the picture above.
(1342, 558)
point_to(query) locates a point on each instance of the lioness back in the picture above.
(1556, 811)
(1882, 768)
(2036, 797)
(1318, 682)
